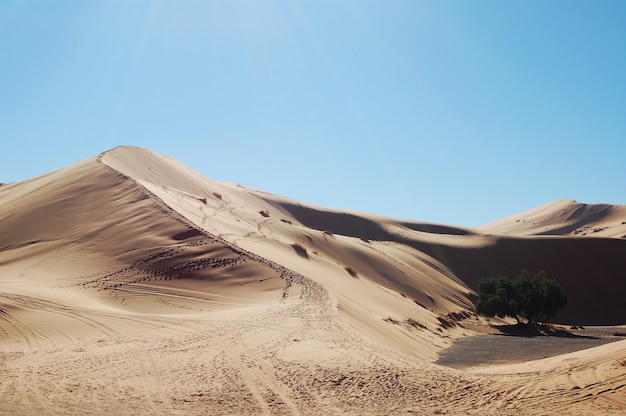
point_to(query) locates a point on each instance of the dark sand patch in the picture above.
(507, 349)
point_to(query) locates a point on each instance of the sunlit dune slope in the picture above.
(564, 217)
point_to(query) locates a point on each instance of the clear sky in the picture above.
(457, 112)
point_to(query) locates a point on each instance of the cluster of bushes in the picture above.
(534, 299)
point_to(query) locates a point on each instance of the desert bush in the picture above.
(351, 271)
(533, 298)
(301, 251)
(496, 297)
(415, 324)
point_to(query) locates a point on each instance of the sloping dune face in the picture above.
(92, 232)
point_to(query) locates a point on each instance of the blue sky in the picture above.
(458, 112)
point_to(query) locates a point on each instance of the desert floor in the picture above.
(291, 357)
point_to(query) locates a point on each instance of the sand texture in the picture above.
(131, 284)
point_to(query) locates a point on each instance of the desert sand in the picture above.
(131, 284)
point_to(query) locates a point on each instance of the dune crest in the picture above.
(131, 284)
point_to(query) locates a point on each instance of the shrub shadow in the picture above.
(529, 331)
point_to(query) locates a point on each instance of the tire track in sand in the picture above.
(247, 375)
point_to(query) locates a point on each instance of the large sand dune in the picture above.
(133, 285)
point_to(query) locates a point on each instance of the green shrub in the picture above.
(534, 298)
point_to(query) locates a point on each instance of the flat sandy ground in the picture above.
(293, 357)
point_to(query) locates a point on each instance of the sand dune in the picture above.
(133, 285)
(564, 217)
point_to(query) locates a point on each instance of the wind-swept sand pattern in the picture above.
(133, 285)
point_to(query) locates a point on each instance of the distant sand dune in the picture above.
(565, 217)
(133, 285)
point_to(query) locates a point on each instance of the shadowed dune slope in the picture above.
(591, 271)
